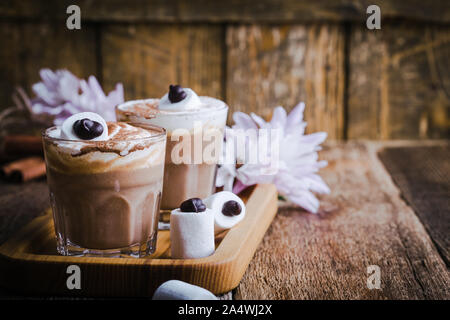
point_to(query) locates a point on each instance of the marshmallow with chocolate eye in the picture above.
(85, 126)
(228, 209)
(179, 99)
(192, 230)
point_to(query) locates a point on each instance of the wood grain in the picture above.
(362, 222)
(29, 46)
(147, 58)
(29, 263)
(283, 65)
(232, 10)
(425, 184)
(399, 82)
(20, 203)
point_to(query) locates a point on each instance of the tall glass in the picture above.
(105, 202)
(186, 175)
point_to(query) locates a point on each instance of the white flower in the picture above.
(296, 176)
(61, 94)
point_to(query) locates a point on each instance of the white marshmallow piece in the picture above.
(180, 290)
(192, 101)
(67, 126)
(215, 202)
(191, 234)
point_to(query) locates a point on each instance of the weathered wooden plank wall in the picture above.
(28, 46)
(282, 65)
(383, 84)
(146, 58)
(399, 82)
(236, 11)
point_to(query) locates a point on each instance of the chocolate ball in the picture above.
(176, 93)
(193, 205)
(231, 208)
(87, 129)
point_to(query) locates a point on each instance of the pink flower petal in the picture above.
(95, 87)
(58, 95)
(239, 187)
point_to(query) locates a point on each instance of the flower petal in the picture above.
(306, 200)
(238, 187)
(243, 121)
(259, 121)
(295, 175)
(295, 117)
(314, 138)
(279, 118)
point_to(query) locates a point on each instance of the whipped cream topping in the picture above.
(122, 138)
(210, 113)
(127, 147)
(190, 102)
(121, 131)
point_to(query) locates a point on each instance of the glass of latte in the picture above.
(195, 127)
(105, 181)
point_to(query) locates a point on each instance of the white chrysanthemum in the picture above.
(296, 176)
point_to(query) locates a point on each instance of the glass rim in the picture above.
(160, 135)
(222, 106)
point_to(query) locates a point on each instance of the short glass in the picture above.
(196, 176)
(105, 203)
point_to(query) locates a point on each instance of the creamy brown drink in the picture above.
(105, 194)
(195, 127)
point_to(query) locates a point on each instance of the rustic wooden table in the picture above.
(397, 220)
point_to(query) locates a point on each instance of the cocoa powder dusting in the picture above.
(147, 110)
(120, 134)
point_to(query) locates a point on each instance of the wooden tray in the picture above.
(29, 262)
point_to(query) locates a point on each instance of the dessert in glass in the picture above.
(196, 123)
(105, 181)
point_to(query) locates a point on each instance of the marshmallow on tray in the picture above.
(179, 290)
(228, 209)
(192, 230)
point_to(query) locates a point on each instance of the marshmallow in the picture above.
(191, 234)
(216, 202)
(67, 126)
(191, 101)
(179, 290)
